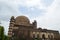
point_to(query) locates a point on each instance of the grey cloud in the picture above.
(32, 11)
(6, 11)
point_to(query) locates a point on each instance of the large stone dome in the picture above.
(22, 20)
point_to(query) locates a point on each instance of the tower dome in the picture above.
(22, 20)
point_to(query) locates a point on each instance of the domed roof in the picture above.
(22, 20)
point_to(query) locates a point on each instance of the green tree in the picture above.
(5, 37)
(1, 33)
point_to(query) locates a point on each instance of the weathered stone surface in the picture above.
(20, 28)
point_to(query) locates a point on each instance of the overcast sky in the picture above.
(46, 12)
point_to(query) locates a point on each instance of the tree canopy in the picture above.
(2, 35)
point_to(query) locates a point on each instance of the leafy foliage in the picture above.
(5, 37)
(2, 35)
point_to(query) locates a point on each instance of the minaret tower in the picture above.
(11, 25)
(34, 24)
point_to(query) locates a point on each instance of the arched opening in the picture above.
(37, 35)
(48, 37)
(43, 37)
(33, 35)
(52, 37)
